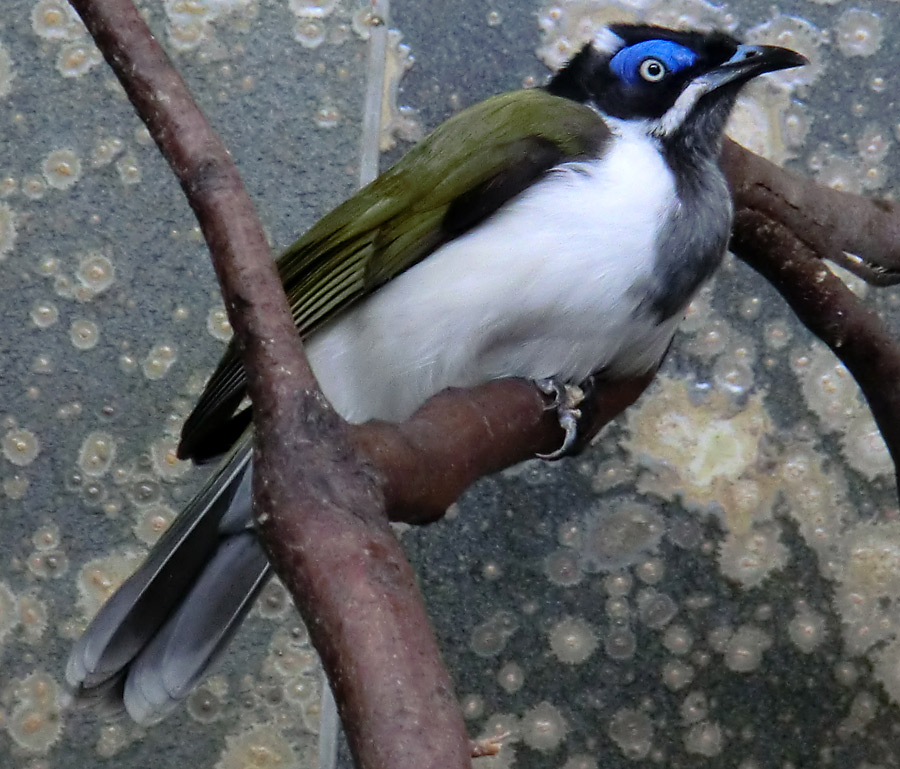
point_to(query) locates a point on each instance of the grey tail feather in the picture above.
(160, 633)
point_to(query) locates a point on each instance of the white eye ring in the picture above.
(652, 70)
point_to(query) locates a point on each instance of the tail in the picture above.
(158, 635)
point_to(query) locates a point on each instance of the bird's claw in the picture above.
(551, 387)
(566, 399)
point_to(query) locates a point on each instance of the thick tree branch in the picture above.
(461, 435)
(829, 221)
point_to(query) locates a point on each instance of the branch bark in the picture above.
(784, 226)
(829, 222)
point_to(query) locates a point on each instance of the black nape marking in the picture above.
(572, 81)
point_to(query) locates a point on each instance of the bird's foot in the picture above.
(566, 401)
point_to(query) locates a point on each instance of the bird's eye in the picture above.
(652, 70)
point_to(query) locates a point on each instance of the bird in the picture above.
(554, 233)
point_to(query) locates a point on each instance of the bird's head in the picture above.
(678, 86)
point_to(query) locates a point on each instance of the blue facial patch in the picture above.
(627, 62)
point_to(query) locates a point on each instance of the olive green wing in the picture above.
(432, 195)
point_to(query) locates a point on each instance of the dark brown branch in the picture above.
(831, 311)
(828, 221)
(784, 226)
(462, 435)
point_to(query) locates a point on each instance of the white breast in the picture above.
(545, 287)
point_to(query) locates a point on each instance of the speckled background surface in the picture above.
(714, 584)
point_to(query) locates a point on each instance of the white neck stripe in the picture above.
(607, 42)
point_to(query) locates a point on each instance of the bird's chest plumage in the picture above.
(565, 280)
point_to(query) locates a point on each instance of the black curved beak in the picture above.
(752, 60)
